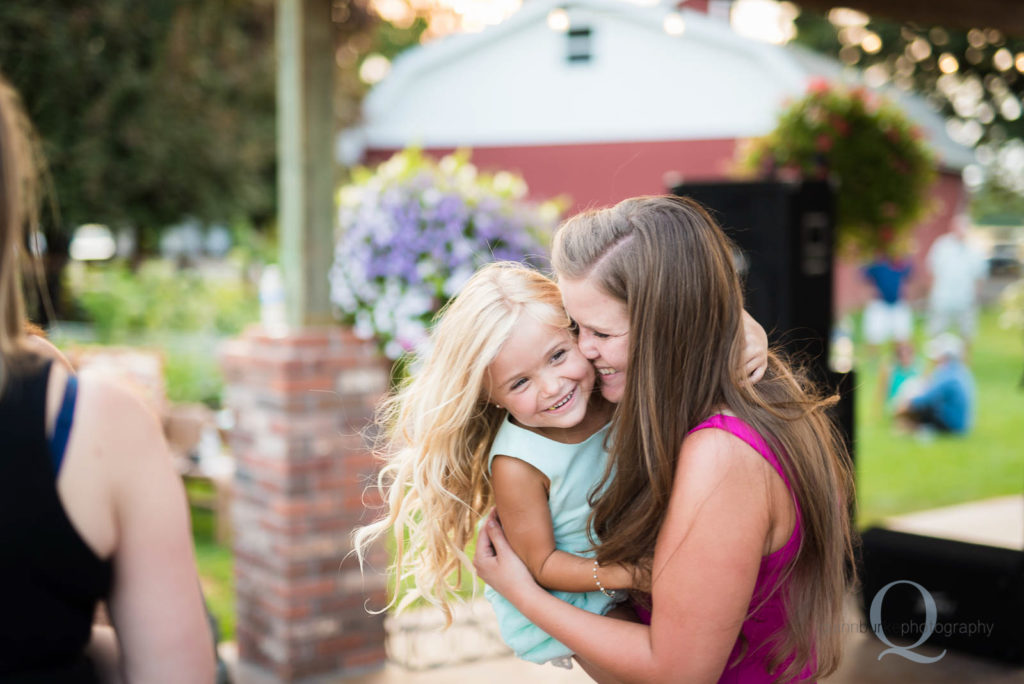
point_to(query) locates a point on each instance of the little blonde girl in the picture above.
(502, 412)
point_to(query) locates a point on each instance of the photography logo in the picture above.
(930, 619)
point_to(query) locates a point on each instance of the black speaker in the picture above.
(969, 597)
(784, 235)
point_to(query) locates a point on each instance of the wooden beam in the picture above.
(305, 152)
(1005, 15)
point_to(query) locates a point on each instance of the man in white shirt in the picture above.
(957, 269)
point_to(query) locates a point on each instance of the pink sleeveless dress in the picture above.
(768, 616)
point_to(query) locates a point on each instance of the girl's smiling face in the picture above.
(541, 377)
(603, 332)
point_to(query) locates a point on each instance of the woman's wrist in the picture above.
(522, 593)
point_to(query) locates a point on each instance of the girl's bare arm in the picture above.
(521, 495)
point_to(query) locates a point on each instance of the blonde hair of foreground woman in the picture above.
(117, 483)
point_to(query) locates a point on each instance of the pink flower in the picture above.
(817, 85)
(823, 143)
(865, 97)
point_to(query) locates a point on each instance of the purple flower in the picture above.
(408, 242)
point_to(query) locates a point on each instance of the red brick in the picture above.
(301, 484)
(311, 668)
(371, 656)
(305, 589)
(353, 605)
(341, 645)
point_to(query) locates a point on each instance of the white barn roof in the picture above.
(513, 84)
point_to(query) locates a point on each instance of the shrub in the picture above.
(882, 164)
(412, 232)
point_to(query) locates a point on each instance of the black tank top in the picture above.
(50, 580)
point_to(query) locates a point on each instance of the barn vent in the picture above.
(580, 49)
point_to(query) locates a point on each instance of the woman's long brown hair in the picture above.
(672, 266)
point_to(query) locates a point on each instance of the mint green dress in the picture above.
(574, 470)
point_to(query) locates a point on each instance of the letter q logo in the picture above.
(930, 618)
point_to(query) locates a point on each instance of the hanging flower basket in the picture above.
(412, 232)
(883, 166)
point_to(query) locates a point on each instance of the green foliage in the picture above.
(181, 313)
(159, 297)
(148, 111)
(191, 371)
(1000, 199)
(1012, 302)
(216, 562)
(390, 40)
(884, 168)
(252, 246)
(980, 97)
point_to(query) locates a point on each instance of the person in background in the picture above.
(957, 269)
(900, 377)
(946, 403)
(90, 506)
(887, 316)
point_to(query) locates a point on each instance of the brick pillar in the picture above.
(300, 404)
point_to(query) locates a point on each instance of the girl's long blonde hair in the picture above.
(437, 430)
(668, 261)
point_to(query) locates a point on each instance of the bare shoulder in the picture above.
(719, 471)
(718, 468)
(512, 465)
(106, 387)
(712, 455)
(510, 473)
(115, 420)
(102, 392)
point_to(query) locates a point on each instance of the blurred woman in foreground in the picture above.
(91, 508)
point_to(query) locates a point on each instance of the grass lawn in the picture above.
(898, 473)
(216, 563)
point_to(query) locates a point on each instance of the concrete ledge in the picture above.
(992, 522)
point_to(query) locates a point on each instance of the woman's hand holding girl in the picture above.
(498, 565)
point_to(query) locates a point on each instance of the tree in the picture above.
(147, 111)
(974, 77)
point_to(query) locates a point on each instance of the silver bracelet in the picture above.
(610, 593)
